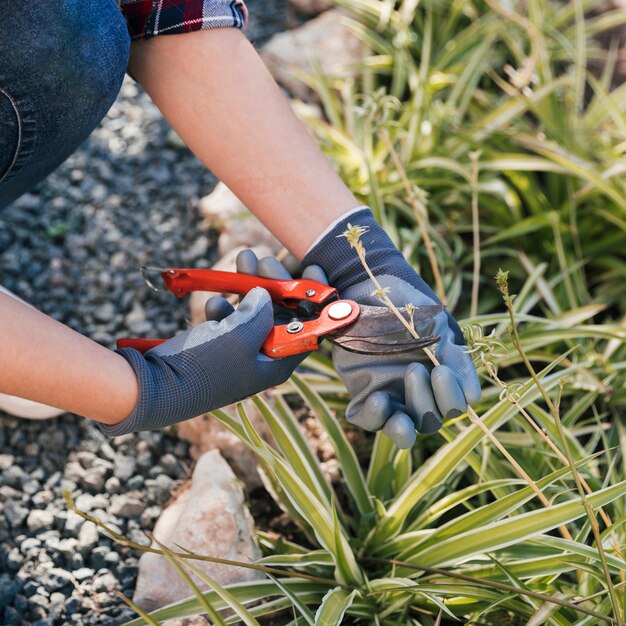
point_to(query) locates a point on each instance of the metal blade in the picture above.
(379, 331)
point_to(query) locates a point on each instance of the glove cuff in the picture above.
(342, 266)
(136, 420)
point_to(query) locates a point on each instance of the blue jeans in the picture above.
(62, 63)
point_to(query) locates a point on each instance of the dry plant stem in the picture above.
(554, 411)
(187, 554)
(518, 468)
(145, 616)
(511, 398)
(360, 250)
(417, 207)
(487, 583)
(474, 156)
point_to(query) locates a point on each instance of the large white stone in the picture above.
(209, 519)
(325, 38)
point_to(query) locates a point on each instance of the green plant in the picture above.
(478, 135)
(400, 541)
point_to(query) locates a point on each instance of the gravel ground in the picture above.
(72, 247)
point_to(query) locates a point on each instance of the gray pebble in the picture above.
(6, 460)
(87, 537)
(8, 589)
(55, 579)
(14, 513)
(124, 467)
(74, 523)
(84, 502)
(93, 479)
(113, 485)
(39, 519)
(83, 573)
(126, 506)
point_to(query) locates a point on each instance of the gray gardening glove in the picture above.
(396, 393)
(206, 367)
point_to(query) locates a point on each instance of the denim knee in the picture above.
(61, 67)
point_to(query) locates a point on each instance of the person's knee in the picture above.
(58, 80)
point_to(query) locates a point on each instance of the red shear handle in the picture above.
(289, 339)
(285, 292)
(143, 345)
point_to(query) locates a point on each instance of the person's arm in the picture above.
(213, 88)
(42, 360)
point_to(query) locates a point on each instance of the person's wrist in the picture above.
(341, 263)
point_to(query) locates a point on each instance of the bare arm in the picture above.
(216, 92)
(43, 360)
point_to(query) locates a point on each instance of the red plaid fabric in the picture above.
(148, 18)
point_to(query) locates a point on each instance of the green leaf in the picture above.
(350, 467)
(334, 606)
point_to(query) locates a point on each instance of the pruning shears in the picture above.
(318, 313)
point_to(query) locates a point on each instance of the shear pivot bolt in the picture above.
(310, 293)
(294, 327)
(339, 311)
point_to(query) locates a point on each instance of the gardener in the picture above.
(61, 67)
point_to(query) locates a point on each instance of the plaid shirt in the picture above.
(148, 18)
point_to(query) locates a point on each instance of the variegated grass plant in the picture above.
(481, 138)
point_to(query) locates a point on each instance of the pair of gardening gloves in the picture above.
(219, 361)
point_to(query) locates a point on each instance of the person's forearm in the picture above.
(216, 92)
(42, 360)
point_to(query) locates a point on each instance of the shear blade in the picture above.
(378, 331)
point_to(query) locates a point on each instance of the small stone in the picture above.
(98, 555)
(6, 460)
(105, 582)
(14, 513)
(67, 547)
(84, 502)
(56, 578)
(40, 599)
(31, 587)
(42, 498)
(29, 545)
(135, 483)
(105, 312)
(31, 487)
(124, 467)
(74, 523)
(149, 516)
(83, 573)
(14, 476)
(14, 559)
(8, 493)
(88, 537)
(86, 458)
(54, 440)
(93, 479)
(37, 520)
(126, 506)
(112, 559)
(113, 485)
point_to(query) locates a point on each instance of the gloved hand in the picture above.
(206, 367)
(398, 393)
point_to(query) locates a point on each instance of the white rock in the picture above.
(209, 519)
(325, 38)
